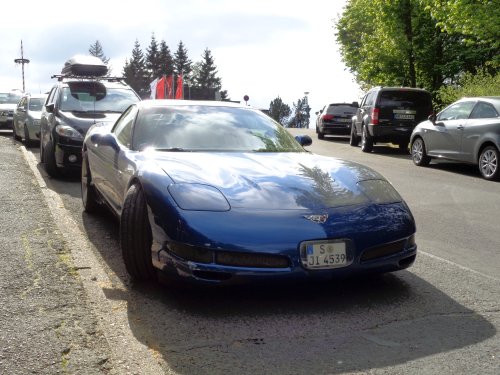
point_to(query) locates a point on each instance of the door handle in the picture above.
(460, 127)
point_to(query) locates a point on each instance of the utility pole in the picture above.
(22, 61)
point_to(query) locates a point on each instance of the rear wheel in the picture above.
(320, 134)
(488, 163)
(135, 235)
(89, 199)
(418, 153)
(366, 140)
(354, 139)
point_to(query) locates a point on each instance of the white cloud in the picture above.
(261, 48)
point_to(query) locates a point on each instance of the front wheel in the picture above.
(488, 163)
(366, 140)
(89, 199)
(49, 160)
(14, 133)
(135, 235)
(418, 153)
(27, 140)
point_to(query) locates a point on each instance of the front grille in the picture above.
(227, 258)
(383, 250)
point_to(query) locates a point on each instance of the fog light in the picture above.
(72, 158)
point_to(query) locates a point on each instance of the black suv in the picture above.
(389, 114)
(335, 118)
(82, 96)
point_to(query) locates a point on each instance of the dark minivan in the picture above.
(388, 115)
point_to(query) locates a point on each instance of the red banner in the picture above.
(179, 92)
(160, 88)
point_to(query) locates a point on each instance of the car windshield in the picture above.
(9, 98)
(36, 104)
(211, 128)
(95, 97)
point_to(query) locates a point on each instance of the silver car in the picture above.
(26, 119)
(466, 131)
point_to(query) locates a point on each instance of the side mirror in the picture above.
(316, 113)
(356, 104)
(50, 108)
(104, 140)
(432, 118)
(304, 140)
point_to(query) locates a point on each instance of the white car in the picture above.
(26, 120)
(8, 103)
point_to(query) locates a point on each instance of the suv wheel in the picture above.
(366, 141)
(488, 163)
(354, 139)
(418, 153)
(320, 134)
(27, 140)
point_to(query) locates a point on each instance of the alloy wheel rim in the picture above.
(417, 151)
(489, 163)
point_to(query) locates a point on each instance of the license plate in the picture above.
(404, 116)
(344, 120)
(324, 255)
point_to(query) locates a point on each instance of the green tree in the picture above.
(97, 51)
(279, 110)
(300, 114)
(153, 60)
(135, 73)
(166, 59)
(182, 63)
(207, 75)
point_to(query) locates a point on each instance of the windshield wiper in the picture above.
(172, 149)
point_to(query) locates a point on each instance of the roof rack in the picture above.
(60, 77)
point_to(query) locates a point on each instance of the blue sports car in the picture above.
(220, 193)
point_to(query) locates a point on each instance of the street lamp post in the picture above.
(22, 61)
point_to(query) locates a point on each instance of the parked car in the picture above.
(81, 97)
(8, 102)
(388, 115)
(335, 118)
(26, 118)
(220, 193)
(466, 131)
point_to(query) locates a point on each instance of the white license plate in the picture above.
(323, 255)
(403, 116)
(344, 120)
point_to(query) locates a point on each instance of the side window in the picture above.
(124, 126)
(50, 98)
(22, 103)
(369, 98)
(484, 110)
(458, 111)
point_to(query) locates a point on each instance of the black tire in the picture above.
(49, 160)
(135, 235)
(488, 163)
(366, 141)
(419, 153)
(403, 146)
(14, 133)
(354, 139)
(89, 197)
(27, 140)
(321, 135)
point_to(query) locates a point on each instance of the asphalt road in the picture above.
(441, 316)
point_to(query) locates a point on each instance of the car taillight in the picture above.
(374, 115)
(327, 117)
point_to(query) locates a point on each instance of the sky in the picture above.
(261, 48)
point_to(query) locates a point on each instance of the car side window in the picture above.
(50, 98)
(484, 110)
(457, 111)
(124, 126)
(369, 99)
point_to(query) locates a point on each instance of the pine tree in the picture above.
(166, 59)
(153, 62)
(182, 64)
(279, 110)
(97, 51)
(207, 75)
(135, 72)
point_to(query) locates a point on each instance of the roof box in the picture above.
(82, 65)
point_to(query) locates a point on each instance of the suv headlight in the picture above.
(68, 132)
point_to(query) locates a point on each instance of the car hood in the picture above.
(10, 106)
(82, 121)
(273, 180)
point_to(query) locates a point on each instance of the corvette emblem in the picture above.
(317, 218)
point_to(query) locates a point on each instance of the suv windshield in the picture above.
(95, 97)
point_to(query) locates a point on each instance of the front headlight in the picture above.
(380, 191)
(198, 197)
(68, 132)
